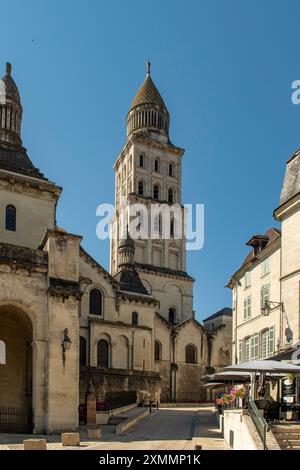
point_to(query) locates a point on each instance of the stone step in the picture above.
(290, 442)
(288, 436)
(284, 430)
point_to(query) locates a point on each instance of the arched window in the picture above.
(171, 169)
(2, 352)
(191, 354)
(135, 319)
(156, 192)
(170, 196)
(10, 218)
(82, 351)
(103, 354)
(172, 316)
(142, 161)
(141, 188)
(157, 351)
(95, 302)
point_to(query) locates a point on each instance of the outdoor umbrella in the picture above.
(264, 365)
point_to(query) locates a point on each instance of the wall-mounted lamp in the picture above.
(66, 342)
(269, 306)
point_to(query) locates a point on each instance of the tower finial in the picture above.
(148, 66)
(8, 68)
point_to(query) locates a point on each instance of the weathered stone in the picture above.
(70, 439)
(35, 444)
(94, 433)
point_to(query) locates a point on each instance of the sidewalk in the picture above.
(207, 433)
(15, 441)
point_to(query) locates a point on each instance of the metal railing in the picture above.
(258, 420)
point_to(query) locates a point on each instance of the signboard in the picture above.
(288, 390)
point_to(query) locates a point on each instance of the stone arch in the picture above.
(121, 352)
(31, 315)
(19, 370)
(174, 298)
(157, 350)
(191, 353)
(172, 284)
(103, 349)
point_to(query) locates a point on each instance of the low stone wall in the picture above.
(102, 417)
(240, 432)
(128, 423)
(110, 380)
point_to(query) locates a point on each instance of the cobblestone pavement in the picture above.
(171, 428)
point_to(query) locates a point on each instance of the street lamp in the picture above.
(269, 306)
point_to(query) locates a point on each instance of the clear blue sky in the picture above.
(225, 70)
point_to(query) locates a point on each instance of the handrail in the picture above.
(258, 420)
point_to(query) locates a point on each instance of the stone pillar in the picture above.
(91, 405)
(38, 385)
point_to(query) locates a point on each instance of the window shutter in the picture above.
(272, 340)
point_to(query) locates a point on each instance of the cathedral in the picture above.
(65, 321)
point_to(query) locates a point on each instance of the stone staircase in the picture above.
(287, 435)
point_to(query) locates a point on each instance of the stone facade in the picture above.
(270, 277)
(65, 322)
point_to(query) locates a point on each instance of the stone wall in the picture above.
(116, 380)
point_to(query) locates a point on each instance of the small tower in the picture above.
(10, 111)
(126, 252)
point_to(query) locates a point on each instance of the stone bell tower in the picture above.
(148, 172)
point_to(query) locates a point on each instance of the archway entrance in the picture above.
(16, 371)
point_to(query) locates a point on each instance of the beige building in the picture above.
(266, 315)
(64, 320)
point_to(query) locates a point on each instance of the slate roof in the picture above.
(291, 183)
(272, 234)
(157, 269)
(224, 311)
(130, 281)
(17, 160)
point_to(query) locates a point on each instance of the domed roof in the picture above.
(11, 89)
(148, 93)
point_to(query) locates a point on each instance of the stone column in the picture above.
(38, 385)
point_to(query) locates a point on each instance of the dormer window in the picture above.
(258, 243)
